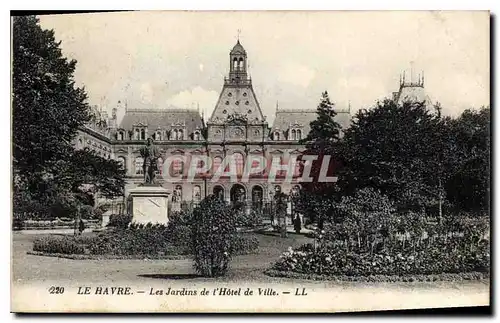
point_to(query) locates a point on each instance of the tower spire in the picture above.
(422, 78)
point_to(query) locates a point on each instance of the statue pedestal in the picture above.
(149, 204)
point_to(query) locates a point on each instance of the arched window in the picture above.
(137, 134)
(197, 193)
(240, 65)
(181, 135)
(299, 134)
(139, 162)
(276, 135)
(235, 64)
(121, 135)
(239, 161)
(121, 161)
(216, 164)
(294, 134)
(158, 135)
(196, 135)
(143, 134)
(174, 135)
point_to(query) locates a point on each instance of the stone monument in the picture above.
(149, 200)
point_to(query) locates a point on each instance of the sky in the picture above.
(165, 59)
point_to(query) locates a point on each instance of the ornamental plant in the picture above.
(212, 231)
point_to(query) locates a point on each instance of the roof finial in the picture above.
(404, 74)
(239, 32)
(422, 78)
(411, 71)
(399, 79)
(277, 105)
(349, 103)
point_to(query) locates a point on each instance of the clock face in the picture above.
(237, 133)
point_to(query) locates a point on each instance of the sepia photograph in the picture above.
(250, 161)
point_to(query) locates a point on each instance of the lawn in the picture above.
(245, 267)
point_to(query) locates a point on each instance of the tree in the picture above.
(48, 110)
(395, 149)
(321, 141)
(469, 185)
(47, 107)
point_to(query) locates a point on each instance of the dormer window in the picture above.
(196, 135)
(295, 134)
(177, 134)
(157, 135)
(121, 135)
(276, 135)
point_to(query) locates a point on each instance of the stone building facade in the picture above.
(236, 128)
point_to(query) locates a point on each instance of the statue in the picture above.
(150, 154)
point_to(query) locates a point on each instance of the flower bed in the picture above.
(444, 256)
(136, 241)
(381, 278)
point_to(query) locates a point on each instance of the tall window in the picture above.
(177, 167)
(121, 161)
(276, 135)
(282, 173)
(294, 134)
(239, 161)
(180, 135)
(216, 164)
(197, 193)
(196, 135)
(137, 134)
(158, 135)
(296, 172)
(160, 165)
(143, 134)
(121, 135)
(256, 164)
(178, 193)
(139, 162)
(299, 134)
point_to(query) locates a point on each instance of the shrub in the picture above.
(119, 221)
(54, 244)
(251, 219)
(212, 232)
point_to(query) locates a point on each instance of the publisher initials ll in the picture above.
(299, 293)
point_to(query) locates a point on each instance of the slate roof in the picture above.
(413, 93)
(286, 117)
(162, 118)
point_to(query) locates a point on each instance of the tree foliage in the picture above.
(321, 141)
(48, 109)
